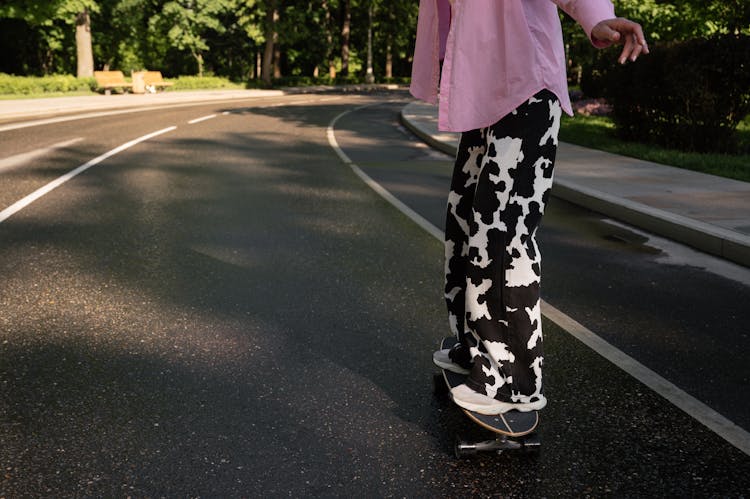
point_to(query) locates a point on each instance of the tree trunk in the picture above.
(345, 32)
(276, 60)
(389, 57)
(369, 77)
(84, 52)
(329, 41)
(272, 15)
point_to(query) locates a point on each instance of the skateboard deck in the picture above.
(511, 424)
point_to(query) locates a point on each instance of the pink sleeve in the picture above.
(588, 13)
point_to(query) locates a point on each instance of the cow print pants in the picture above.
(501, 183)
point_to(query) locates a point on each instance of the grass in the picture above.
(597, 132)
(40, 95)
(34, 87)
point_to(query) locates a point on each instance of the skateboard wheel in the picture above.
(532, 445)
(438, 385)
(463, 449)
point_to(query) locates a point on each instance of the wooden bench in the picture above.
(152, 80)
(108, 80)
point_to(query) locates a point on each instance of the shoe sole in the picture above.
(450, 367)
(499, 408)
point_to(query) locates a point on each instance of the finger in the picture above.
(627, 49)
(606, 33)
(637, 49)
(640, 38)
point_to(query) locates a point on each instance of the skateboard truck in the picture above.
(515, 431)
(499, 445)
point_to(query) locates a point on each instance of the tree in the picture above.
(369, 76)
(663, 21)
(272, 36)
(53, 20)
(346, 25)
(237, 38)
(84, 51)
(188, 21)
(329, 58)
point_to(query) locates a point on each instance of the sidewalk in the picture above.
(709, 213)
(22, 109)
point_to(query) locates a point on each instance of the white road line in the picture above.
(26, 157)
(99, 114)
(23, 203)
(202, 118)
(416, 217)
(717, 423)
(702, 413)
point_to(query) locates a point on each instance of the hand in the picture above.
(623, 31)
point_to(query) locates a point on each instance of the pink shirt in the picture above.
(498, 53)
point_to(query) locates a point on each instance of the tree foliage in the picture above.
(222, 37)
(53, 24)
(662, 21)
(228, 37)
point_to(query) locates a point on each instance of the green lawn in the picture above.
(44, 95)
(598, 133)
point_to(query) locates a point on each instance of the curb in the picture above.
(711, 239)
(111, 103)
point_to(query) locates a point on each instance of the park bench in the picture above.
(108, 80)
(152, 80)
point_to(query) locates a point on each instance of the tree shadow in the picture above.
(251, 304)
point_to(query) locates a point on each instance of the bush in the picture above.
(687, 95)
(27, 85)
(353, 79)
(201, 82)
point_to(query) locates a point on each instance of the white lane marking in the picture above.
(699, 411)
(23, 203)
(224, 113)
(717, 423)
(416, 217)
(99, 114)
(202, 118)
(26, 157)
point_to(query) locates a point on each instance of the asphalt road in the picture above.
(226, 310)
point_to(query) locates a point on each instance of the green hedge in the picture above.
(201, 82)
(26, 85)
(36, 85)
(306, 81)
(687, 95)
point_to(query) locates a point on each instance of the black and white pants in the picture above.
(501, 183)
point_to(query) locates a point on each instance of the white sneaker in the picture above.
(443, 361)
(473, 401)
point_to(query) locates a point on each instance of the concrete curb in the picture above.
(44, 107)
(59, 106)
(708, 238)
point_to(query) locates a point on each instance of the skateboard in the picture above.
(514, 430)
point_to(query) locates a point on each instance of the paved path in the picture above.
(707, 212)
(22, 109)
(33, 108)
(225, 310)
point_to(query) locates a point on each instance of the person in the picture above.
(502, 85)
